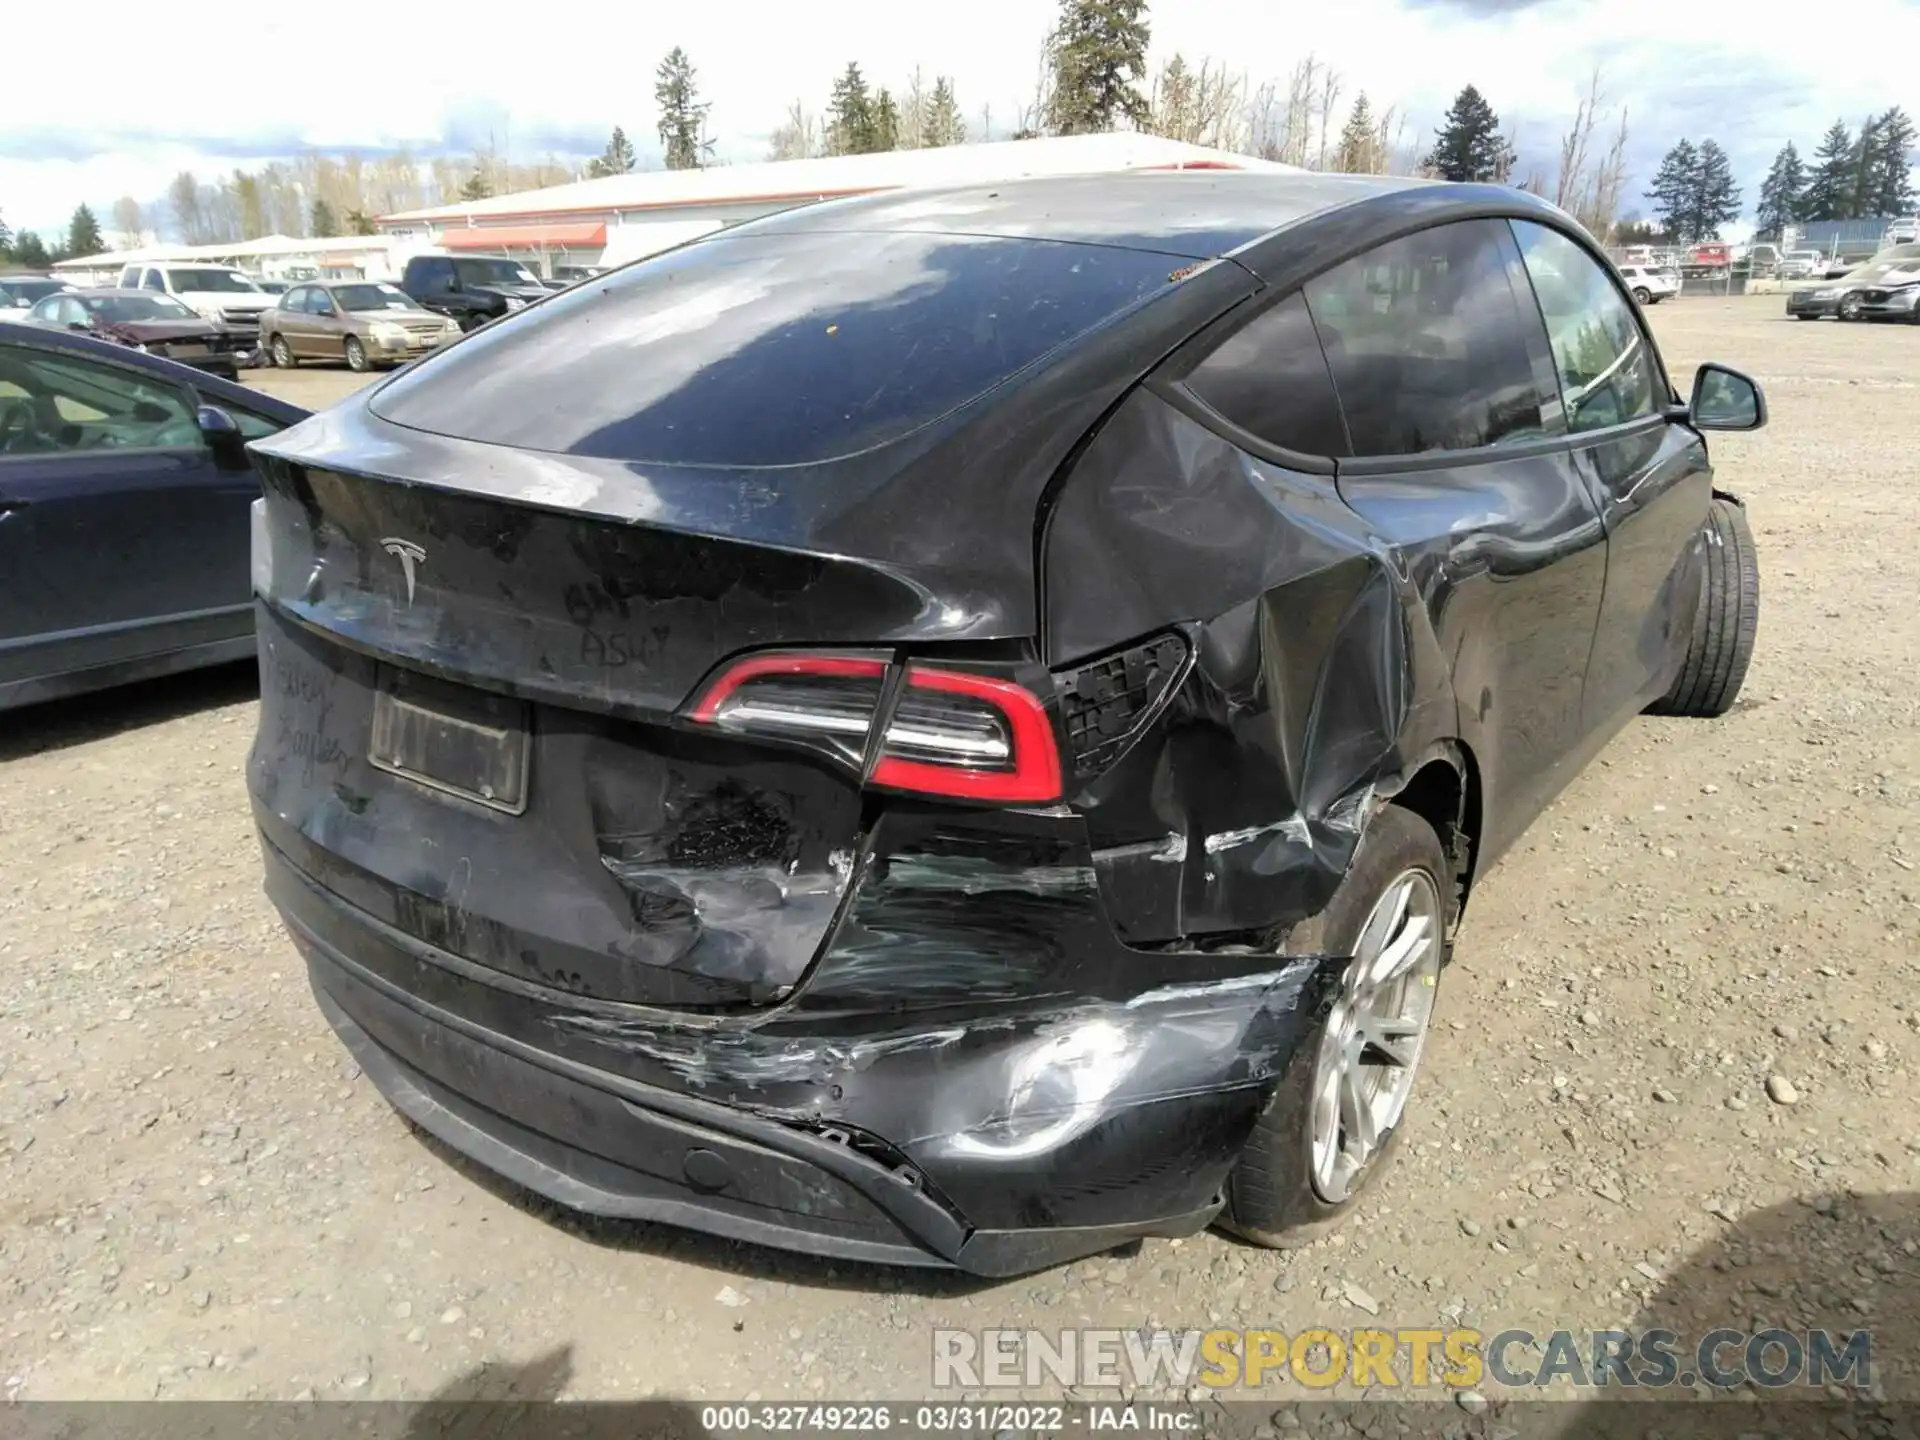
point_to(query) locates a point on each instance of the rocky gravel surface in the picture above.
(1675, 1077)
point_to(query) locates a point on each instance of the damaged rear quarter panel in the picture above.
(1316, 674)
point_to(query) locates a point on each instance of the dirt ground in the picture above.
(201, 1197)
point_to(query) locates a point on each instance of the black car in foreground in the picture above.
(957, 728)
(157, 324)
(125, 498)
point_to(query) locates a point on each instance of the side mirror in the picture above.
(1724, 399)
(79, 325)
(222, 434)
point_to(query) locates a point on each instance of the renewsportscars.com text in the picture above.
(1459, 1359)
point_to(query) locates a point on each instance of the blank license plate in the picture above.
(463, 742)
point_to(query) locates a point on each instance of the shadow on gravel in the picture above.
(498, 1401)
(1838, 1262)
(726, 1257)
(58, 724)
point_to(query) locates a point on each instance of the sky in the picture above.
(254, 86)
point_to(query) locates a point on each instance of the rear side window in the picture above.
(153, 281)
(770, 350)
(1270, 378)
(1606, 366)
(1431, 346)
(434, 273)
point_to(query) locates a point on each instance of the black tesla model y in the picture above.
(958, 727)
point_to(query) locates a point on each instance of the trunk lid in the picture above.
(643, 862)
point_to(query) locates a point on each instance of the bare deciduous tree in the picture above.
(1323, 106)
(797, 137)
(129, 224)
(1030, 119)
(1207, 106)
(1589, 182)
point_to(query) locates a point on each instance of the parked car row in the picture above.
(220, 319)
(1887, 287)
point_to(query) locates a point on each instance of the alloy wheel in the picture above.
(1370, 1049)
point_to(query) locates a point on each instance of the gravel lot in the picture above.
(1676, 1073)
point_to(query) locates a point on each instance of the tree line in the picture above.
(1852, 177)
(1091, 74)
(30, 252)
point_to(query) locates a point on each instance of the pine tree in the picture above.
(683, 116)
(477, 186)
(1355, 155)
(1675, 189)
(1892, 188)
(850, 129)
(616, 159)
(1098, 56)
(1863, 170)
(1779, 202)
(943, 124)
(886, 121)
(83, 233)
(321, 222)
(1826, 195)
(30, 251)
(1468, 146)
(1716, 200)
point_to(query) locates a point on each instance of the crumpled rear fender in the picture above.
(1314, 684)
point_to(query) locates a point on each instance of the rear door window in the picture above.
(61, 403)
(770, 350)
(1433, 345)
(1607, 370)
(1270, 378)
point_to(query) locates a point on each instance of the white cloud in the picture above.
(206, 93)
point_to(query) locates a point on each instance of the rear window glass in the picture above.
(774, 350)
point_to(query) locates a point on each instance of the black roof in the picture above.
(1195, 214)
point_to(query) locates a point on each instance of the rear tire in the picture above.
(1725, 622)
(282, 354)
(356, 354)
(1278, 1194)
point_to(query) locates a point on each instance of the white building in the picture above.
(271, 257)
(600, 223)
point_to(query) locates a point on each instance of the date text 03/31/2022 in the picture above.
(941, 1418)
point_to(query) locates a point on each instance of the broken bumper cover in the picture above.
(996, 1136)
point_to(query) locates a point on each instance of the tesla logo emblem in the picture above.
(408, 554)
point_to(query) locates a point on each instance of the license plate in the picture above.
(186, 352)
(462, 742)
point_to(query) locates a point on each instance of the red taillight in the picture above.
(947, 732)
(969, 736)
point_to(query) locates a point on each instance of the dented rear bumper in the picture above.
(994, 1085)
